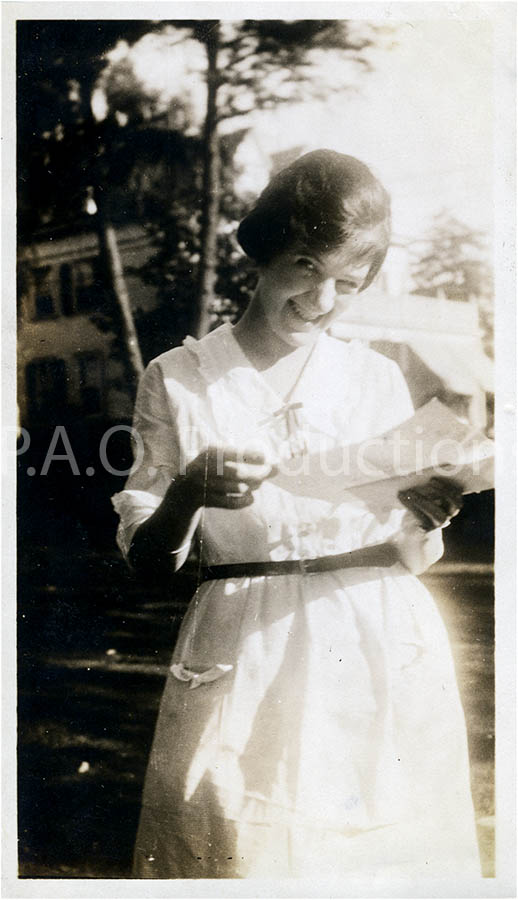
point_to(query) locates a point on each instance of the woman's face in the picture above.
(300, 293)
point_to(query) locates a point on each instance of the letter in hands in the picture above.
(435, 503)
(227, 477)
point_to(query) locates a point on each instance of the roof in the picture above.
(77, 245)
(444, 334)
(391, 318)
(460, 362)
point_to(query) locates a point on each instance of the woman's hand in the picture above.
(435, 503)
(226, 477)
(219, 476)
(431, 506)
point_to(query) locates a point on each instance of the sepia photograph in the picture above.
(257, 397)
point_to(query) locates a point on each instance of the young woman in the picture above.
(310, 723)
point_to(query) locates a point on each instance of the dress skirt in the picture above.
(310, 725)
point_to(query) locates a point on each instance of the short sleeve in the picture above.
(156, 456)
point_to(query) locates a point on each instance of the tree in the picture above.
(254, 64)
(174, 228)
(453, 262)
(124, 162)
(64, 153)
(211, 179)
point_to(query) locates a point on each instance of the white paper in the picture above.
(432, 442)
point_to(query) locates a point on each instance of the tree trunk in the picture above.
(210, 196)
(109, 250)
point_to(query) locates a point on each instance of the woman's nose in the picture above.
(326, 295)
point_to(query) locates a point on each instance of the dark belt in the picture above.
(376, 555)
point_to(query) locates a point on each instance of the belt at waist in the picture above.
(375, 555)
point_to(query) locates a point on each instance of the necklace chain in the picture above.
(295, 384)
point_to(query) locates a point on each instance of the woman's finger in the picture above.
(449, 489)
(445, 493)
(246, 472)
(232, 486)
(443, 501)
(429, 514)
(230, 499)
(435, 502)
(450, 506)
(448, 483)
(250, 456)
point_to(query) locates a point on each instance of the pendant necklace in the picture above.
(289, 414)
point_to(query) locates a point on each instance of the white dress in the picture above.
(310, 724)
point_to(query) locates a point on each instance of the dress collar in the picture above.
(253, 401)
(220, 355)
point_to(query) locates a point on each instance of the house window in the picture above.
(91, 377)
(87, 285)
(44, 294)
(66, 289)
(80, 286)
(46, 382)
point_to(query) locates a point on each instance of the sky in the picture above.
(422, 119)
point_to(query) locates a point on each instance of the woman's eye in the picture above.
(305, 264)
(346, 287)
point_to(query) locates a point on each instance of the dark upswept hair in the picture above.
(321, 201)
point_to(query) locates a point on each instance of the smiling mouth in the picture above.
(303, 313)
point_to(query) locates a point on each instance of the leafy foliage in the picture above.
(268, 62)
(61, 146)
(454, 262)
(67, 156)
(454, 265)
(173, 267)
(143, 162)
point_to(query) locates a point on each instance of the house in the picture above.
(436, 342)
(66, 365)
